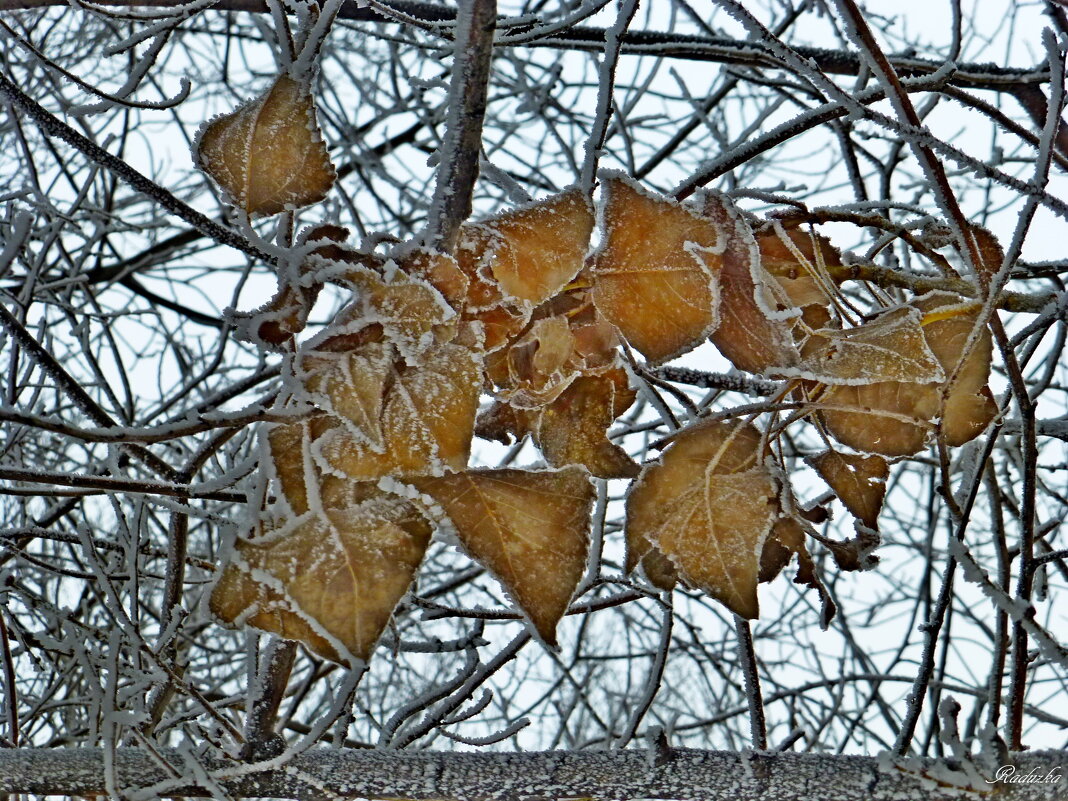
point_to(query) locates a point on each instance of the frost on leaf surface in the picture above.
(330, 581)
(269, 155)
(530, 529)
(798, 261)
(412, 314)
(747, 336)
(654, 276)
(536, 250)
(859, 481)
(890, 348)
(428, 417)
(352, 386)
(707, 506)
(893, 418)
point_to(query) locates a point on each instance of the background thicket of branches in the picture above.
(129, 408)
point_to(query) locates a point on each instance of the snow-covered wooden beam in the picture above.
(682, 774)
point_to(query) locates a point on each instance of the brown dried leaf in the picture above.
(530, 529)
(412, 314)
(891, 347)
(708, 506)
(747, 336)
(427, 420)
(441, 272)
(352, 386)
(537, 366)
(859, 481)
(269, 155)
(539, 248)
(654, 277)
(330, 582)
(889, 417)
(572, 429)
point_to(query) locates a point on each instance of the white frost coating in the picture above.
(1017, 610)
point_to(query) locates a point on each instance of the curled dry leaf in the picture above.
(707, 506)
(859, 481)
(427, 421)
(530, 529)
(329, 581)
(654, 277)
(538, 366)
(269, 155)
(747, 336)
(787, 538)
(534, 251)
(798, 259)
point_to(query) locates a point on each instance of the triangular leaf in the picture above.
(531, 529)
(329, 581)
(859, 481)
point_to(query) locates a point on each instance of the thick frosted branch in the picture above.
(675, 774)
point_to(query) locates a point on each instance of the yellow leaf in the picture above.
(654, 277)
(269, 155)
(530, 529)
(329, 581)
(708, 506)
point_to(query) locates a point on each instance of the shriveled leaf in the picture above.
(747, 335)
(572, 429)
(708, 506)
(787, 538)
(890, 348)
(654, 277)
(330, 581)
(269, 155)
(427, 420)
(538, 366)
(859, 481)
(530, 529)
(537, 249)
(352, 387)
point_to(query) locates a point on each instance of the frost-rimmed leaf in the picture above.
(708, 506)
(268, 155)
(537, 249)
(330, 581)
(859, 481)
(529, 528)
(654, 276)
(891, 347)
(751, 334)
(352, 387)
(427, 422)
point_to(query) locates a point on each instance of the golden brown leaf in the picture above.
(352, 387)
(890, 418)
(530, 529)
(536, 250)
(891, 347)
(269, 155)
(537, 366)
(654, 277)
(572, 429)
(329, 581)
(859, 481)
(708, 506)
(427, 420)
(747, 336)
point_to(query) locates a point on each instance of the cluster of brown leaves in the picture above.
(522, 313)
